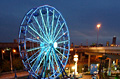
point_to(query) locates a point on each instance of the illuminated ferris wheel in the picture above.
(44, 42)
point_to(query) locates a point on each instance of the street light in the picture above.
(98, 26)
(14, 51)
(3, 51)
(76, 59)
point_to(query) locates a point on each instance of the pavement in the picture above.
(11, 75)
(86, 77)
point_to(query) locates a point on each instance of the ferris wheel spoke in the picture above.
(48, 20)
(60, 53)
(33, 55)
(52, 23)
(62, 48)
(53, 66)
(44, 23)
(39, 25)
(37, 56)
(61, 36)
(58, 67)
(58, 61)
(58, 31)
(45, 64)
(37, 33)
(43, 58)
(35, 48)
(52, 63)
(36, 63)
(32, 40)
(49, 61)
(56, 25)
(34, 27)
(37, 69)
(33, 35)
(62, 41)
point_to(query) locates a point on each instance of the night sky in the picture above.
(81, 16)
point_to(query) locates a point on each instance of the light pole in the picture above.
(2, 54)
(98, 26)
(14, 51)
(76, 59)
(69, 63)
(11, 61)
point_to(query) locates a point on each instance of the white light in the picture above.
(73, 67)
(97, 64)
(55, 45)
(76, 56)
(113, 62)
(75, 59)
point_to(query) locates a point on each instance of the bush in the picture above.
(17, 64)
(5, 66)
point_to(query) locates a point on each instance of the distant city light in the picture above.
(71, 49)
(67, 68)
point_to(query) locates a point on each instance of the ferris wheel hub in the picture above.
(55, 45)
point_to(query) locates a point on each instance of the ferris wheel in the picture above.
(44, 42)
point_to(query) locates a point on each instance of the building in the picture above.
(113, 41)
